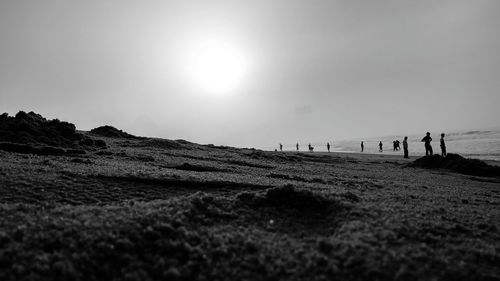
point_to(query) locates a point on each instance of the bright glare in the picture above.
(216, 67)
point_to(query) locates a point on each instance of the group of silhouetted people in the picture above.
(309, 147)
(426, 140)
(396, 146)
(428, 148)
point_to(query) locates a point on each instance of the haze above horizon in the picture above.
(254, 73)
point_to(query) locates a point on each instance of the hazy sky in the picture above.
(312, 70)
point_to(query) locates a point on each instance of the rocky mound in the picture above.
(459, 164)
(111, 132)
(34, 130)
(290, 198)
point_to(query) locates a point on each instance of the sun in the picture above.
(216, 67)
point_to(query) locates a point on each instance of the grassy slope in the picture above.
(153, 209)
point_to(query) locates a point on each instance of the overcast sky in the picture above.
(315, 70)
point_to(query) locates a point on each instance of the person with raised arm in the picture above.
(427, 142)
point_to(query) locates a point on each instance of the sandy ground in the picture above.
(158, 210)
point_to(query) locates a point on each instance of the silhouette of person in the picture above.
(394, 146)
(405, 147)
(380, 146)
(310, 147)
(398, 147)
(281, 147)
(443, 145)
(297, 145)
(328, 146)
(362, 146)
(427, 141)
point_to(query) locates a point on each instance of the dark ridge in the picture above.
(485, 180)
(76, 189)
(143, 158)
(249, 164)
(295, 178)
(458, 164)
(327, 159)
(286, 177)
(181, 141)
(196, 168)
(188, 184)
(273, 156)
(33, 129)
(161, 143)
(40, 150)
(111, 132)
(222, 147)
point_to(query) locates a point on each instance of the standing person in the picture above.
(328, 146)
(281, 147)
(405, 147)
(380, 146)
(297, 145)
(362, 146)
(443, 145)
(394, 145)
(427, 140)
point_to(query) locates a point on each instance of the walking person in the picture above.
(405, 147)
(443, 145)
(380, 146)
(281, 147)
(328, 146)
(362, 146)
(297, 145)
(427, 141)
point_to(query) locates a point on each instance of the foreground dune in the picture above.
(152, 209)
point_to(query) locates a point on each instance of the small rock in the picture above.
(171, 274)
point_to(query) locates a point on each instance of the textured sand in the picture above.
(150, 210)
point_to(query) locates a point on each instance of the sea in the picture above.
(477, 144)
